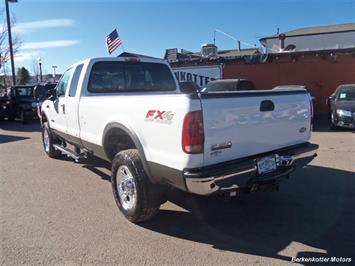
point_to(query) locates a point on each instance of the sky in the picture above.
(62, 32)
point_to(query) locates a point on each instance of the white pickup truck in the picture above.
(130, 111)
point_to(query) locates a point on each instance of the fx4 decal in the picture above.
(164, 117)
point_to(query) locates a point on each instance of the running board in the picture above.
(70, 153)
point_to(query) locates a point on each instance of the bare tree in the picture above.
(4, 42)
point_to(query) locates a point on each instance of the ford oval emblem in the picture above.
(302, 129)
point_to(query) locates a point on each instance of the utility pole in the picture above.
(10, 39)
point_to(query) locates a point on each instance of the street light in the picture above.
(54, 68)
(10, 39)
(40, 68)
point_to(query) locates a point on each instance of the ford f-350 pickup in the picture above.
(130, 111)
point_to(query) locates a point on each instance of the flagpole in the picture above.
(121, 43)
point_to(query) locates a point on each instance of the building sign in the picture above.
(201, 75)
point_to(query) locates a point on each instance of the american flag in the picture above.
(113, 41)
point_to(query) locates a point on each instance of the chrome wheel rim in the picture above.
(46, 140)
(126, 188)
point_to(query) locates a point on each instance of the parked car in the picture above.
(131, 112)
(21, 103)
(3, 106)
(42, 92)
(229, 85)
(342, 106)
(297, 87)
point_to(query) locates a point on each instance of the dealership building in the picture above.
(320, 58)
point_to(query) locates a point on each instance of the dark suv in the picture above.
(21, 104)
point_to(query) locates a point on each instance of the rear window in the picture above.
(109, 77)
(24, 91)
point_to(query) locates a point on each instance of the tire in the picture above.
(136, 197)
(10, 117)
(332, 125)
(48, 141)
(23, 117)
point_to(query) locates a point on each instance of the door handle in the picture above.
(266, 106)
(63, 107)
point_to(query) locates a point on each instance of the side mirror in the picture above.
(330, 99)
(52, 94)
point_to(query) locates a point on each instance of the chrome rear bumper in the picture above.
(243, 172)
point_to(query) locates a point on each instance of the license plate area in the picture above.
(266, 165)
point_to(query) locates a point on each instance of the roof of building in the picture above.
(236, 52)
(232, 53)
(316, 30)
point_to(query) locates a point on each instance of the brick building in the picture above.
(320, 69)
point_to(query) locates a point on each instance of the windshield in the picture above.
(223, 86)
(24, 92)
(220, 86)
(346, 94)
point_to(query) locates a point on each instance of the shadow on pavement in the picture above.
(316, 207)
(92, 163)
(9, 138)
(31, 126)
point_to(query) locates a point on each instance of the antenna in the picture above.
(234, 38)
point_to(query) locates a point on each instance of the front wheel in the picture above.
(48, 141)
(332, 124)
(136, 197)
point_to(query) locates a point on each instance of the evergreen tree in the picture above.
(22, 76)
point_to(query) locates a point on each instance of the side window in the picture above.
(64, 82)
(75, 79)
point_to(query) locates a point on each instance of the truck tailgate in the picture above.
(242, 124)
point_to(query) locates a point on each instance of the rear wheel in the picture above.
(23, 118)
(136, 197)
(48, 141)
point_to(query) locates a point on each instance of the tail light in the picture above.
(193, 137)
(132, 59)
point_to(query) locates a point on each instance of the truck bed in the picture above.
(241, 124)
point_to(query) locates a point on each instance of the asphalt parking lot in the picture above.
(61, 212)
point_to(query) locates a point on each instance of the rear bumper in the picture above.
(242, 173)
